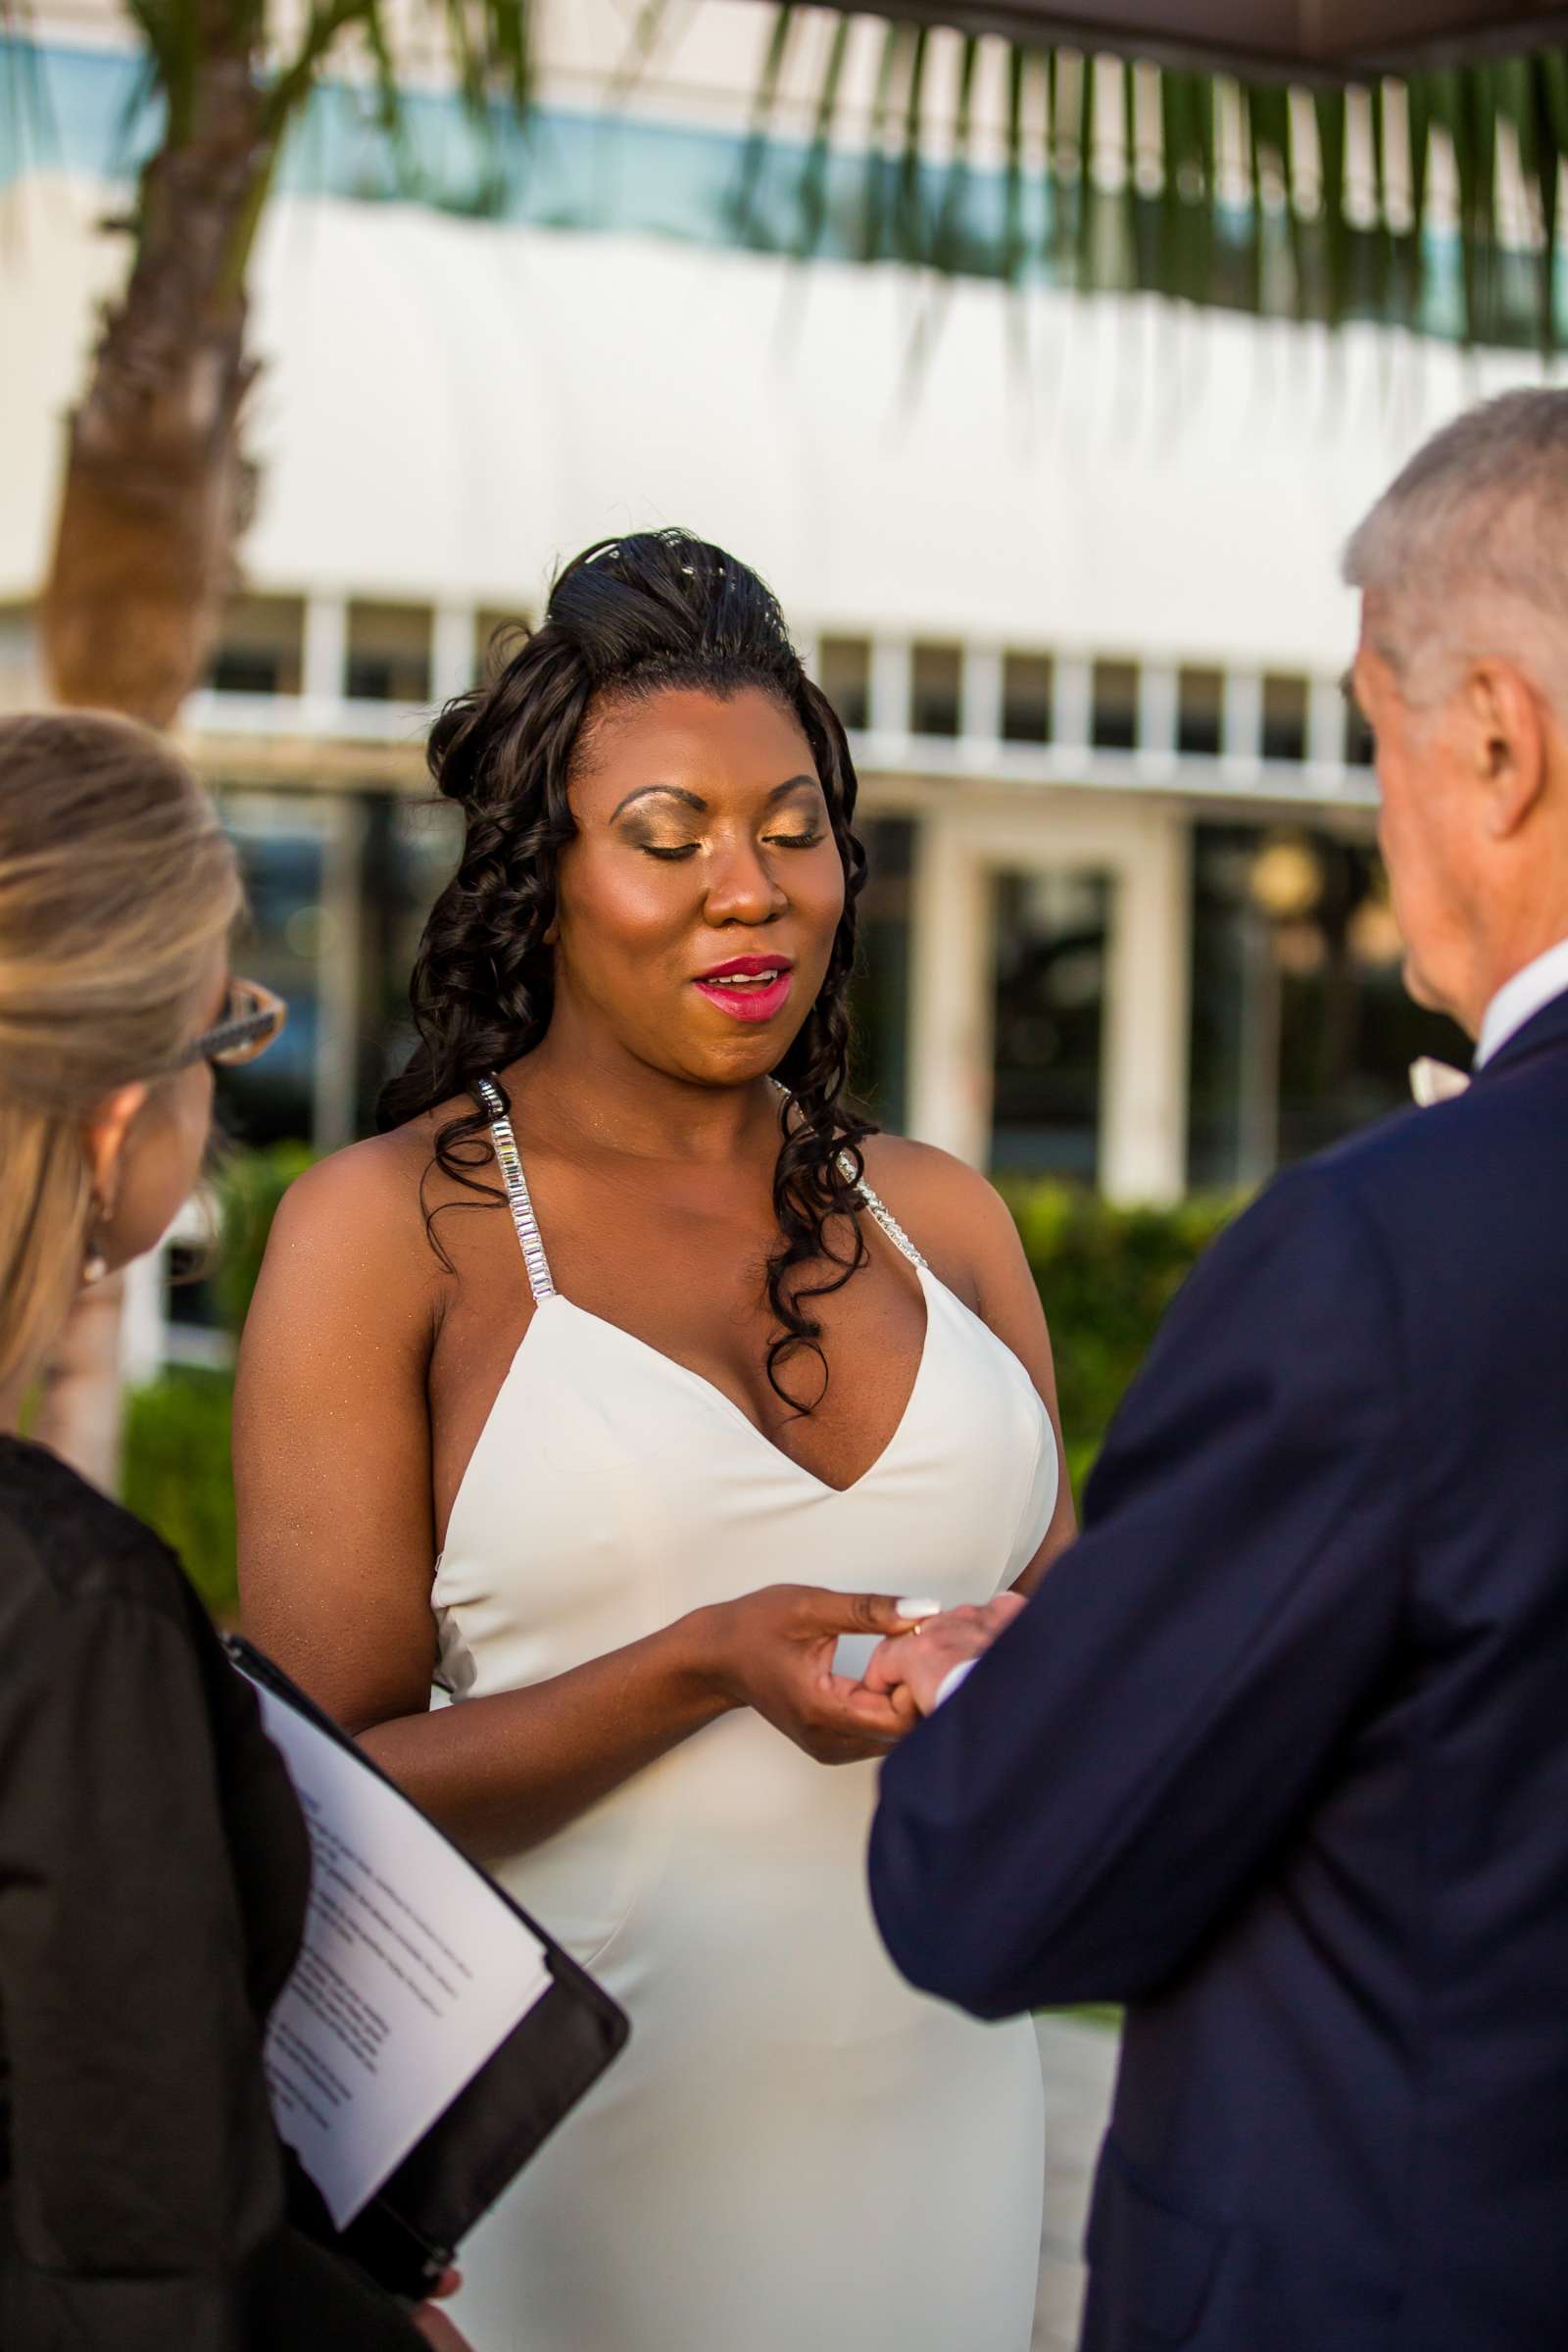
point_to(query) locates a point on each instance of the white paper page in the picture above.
(412, 1972)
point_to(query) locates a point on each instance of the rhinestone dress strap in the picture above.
(883, 1214)
(510, 1160)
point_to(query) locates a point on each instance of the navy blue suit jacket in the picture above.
(1278, 1756)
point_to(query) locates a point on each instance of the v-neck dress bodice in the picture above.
(796, 2147)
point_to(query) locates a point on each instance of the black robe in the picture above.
(154, 1867)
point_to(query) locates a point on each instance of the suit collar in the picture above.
(1545, 1032)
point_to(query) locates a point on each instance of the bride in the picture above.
(621, 1470)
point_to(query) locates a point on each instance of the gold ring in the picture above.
(918, 1627)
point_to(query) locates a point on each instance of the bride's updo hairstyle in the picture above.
(626, 619)
(115, 885)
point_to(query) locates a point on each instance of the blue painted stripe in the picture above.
(82, 111)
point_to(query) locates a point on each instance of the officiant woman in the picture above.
(153, 1861)
(734, 1376)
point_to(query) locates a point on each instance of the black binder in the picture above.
(410, 2229)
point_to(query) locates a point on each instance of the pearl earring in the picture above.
(95, 1268)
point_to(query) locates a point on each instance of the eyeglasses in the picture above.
(252, 1019)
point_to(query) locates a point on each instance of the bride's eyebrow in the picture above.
(673, 792)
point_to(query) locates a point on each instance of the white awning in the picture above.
(449, 408)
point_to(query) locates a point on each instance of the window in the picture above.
(880, 989)
(1302, 1029)
(1358, 744)
(498, 636)
(1050, 985)
(844, 674)
(1026, 684)
(259, 651)
(1284, 718)
(936, 689)
(284, 942)
(1113, 724)
(389, 653)
(1200, 713)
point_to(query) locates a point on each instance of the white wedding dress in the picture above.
(796, 2152)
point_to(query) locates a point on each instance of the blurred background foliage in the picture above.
(1106, 1274)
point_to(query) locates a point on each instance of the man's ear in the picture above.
(103, 1139)
(1509, 736)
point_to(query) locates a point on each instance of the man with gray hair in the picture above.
(1278, 1754)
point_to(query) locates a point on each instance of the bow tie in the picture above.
(1435, 1081)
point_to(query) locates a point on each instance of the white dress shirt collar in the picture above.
(1520, 999)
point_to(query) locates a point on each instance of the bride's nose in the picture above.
(741, 888)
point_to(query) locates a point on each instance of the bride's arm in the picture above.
(332, 1463)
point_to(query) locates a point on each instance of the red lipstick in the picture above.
(749, 988)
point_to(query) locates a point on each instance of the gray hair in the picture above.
(1466, 553)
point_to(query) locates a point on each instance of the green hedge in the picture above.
(1106, 1276)
(177, 1474)
(178, 1431)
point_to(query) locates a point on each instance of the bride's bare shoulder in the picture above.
(366, 1210)
(392, 1176)
(955, 1218)
(928, 1179)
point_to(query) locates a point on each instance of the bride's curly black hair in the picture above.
(625, 619)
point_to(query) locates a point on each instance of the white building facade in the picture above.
(1069, 569)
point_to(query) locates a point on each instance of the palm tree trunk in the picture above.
(157, 490)
(157, 493)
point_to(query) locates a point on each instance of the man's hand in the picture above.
(918, 1663)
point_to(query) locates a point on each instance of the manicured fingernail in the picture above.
(914, 1610)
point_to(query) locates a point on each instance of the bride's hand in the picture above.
(917, 1665)
(772, 1650)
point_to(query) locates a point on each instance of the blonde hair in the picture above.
(116, 884)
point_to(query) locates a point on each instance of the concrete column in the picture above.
(1143, 1130)
(1242, 740)
(1158, 695)
(142, 1319)
(1072, 696)
(454, 650)
(337, 979)
(325, 659)
(980, 704)
(951, 1055)
(892, 687)
(1325, 725)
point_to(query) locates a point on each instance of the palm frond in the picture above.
(1328, 204)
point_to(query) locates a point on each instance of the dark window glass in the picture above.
(1026, 683)
(1302, 1028)
(844, 674)
(1199, 712)
(282, 942)
(498, 636)
(1285, 719)
(389, 653)
(880, 993)
(1359, 744)
(243, 669)
(1050, 932)
(1114, 723)
(937, 686)
(260, 645)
